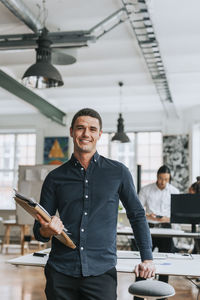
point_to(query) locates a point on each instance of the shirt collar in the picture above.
(75, 161)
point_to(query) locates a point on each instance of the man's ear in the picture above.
(71, 130)
(100, 133)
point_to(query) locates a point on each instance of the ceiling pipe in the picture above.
(22, 12)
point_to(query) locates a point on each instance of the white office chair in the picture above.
(151, 289)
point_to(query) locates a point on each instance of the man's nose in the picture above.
(86, 132)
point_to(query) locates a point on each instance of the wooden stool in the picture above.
(151, 289)
(8, 225)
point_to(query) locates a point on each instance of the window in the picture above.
(149, 155)
(145, 149)
(15, 149)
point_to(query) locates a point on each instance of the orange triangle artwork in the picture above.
(56, 150)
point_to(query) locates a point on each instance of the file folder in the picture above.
(34, 208)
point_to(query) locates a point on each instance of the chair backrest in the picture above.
(151, 289)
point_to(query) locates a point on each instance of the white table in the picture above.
(162, 232)
(175, 264)
(166, 263)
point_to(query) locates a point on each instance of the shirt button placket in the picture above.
(84, 220)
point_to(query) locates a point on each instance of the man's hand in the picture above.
(48, 229)
(153, 217)
(165, 220)
(145, 269)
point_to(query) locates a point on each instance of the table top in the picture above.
(10, 222)
(161, 232)
(175, 264)
(166, 263)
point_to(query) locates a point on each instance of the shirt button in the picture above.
(85, 213)
(81, 248)
(86, 181)
(86, 196)
(82, 169)
(82, 229)
(95, 160)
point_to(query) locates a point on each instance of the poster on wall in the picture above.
(176, 157)
(55, 150)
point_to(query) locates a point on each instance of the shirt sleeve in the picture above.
(142, 197)
(136, 214)
(48, 201)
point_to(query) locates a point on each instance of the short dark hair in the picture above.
(87, 112)
(164, 169)
(196, 186)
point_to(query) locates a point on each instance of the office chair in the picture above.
(151, 289)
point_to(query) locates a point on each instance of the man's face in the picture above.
(162, 180)
(85, 133)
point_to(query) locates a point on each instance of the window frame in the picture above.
(14, 169)
(135, 151)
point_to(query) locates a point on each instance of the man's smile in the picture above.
(84, 141)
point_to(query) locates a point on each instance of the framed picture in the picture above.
(55, 150)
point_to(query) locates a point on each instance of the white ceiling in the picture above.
(93, 80)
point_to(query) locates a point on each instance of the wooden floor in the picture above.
(27, 283)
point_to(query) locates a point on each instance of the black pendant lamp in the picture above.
(42, 74)
(120, 135)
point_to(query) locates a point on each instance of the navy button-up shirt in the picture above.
(87, 202)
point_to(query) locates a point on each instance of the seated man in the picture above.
(156, 199)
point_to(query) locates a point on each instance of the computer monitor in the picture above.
(185, 209)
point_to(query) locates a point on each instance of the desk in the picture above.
(12, 223)
(175, 264)
(162, 232)
(166, 263)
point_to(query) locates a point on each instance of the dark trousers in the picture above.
(63, 287)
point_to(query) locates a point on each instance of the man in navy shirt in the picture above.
(86, 192)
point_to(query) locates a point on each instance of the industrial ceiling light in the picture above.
(42, 74)
(120, 135)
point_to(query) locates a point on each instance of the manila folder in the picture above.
(33, 208)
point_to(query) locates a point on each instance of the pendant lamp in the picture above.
(120, 135)
(42, 74)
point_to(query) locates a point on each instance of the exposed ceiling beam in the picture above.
(14, 87)
(66, 39)
(58, 39)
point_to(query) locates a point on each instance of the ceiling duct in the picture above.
(141, 24)
(22, 12)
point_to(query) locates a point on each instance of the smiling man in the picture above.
(86, 191)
